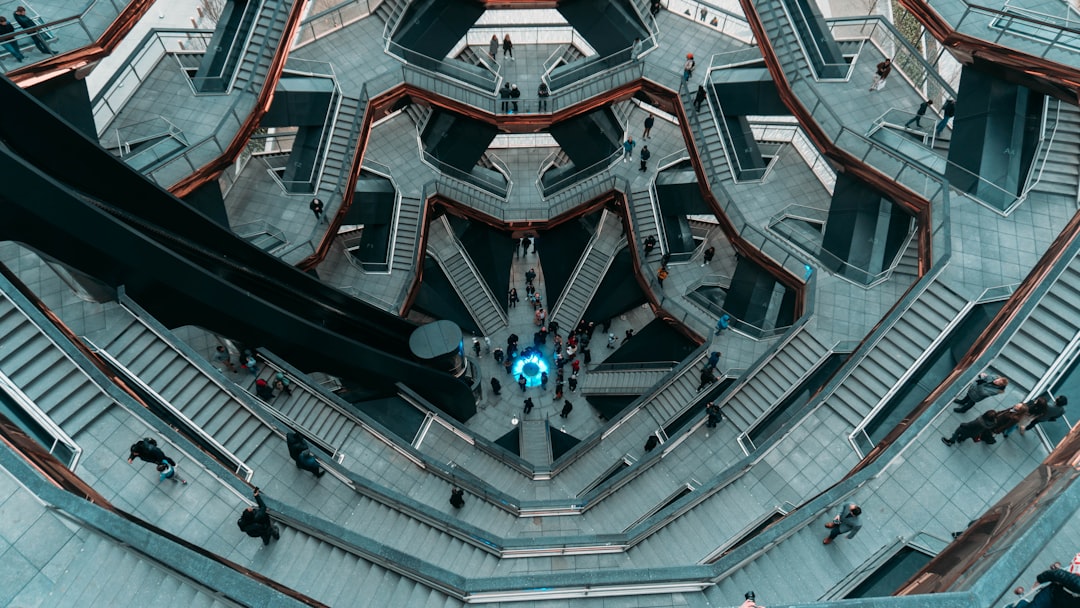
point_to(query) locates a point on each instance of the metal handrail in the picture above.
(255, 8)
(802, 46)
(1010, 14)
(1045, 143)
(484, 287)
(551, 189)
(101, 20)
(42, 419)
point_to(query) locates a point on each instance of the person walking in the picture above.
(984, 388)
(635, 49)
(1052, 413)
(708, 255)
(522, 382)
(714, 360)
(978, 429)
(222, 356)
(707, 378)
(688, 67)
(301, 454)
(566, 409)
(651, 443)
(699, 98)
(512, 297)
(25, 22)
(628, 149)
(880, 74)
(572, 382)
(7, 40)
(947, 112)
(168, 471)
(661, 275)
(316, 207)
(611, 340)
(542, 93)
(723, 323)
(256, 522)
(1009, 419)
(146, 450)
(644, 156)
(650, 244)
(712, 415)
(530, 276)
(508, 47)
(650, 120)
(493, 46)
(457, 497)
(496, 386)
(917, 119)
(543, 381)
(528, 405)
(748, 601)
(847, 521)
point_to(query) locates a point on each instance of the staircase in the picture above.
(89, 569)
(782, 38)
(759, 391)
(623, 381)
(474, 292)
(390, 11)
(337, 162)
(150, 354)
(1045, 333)
(534, 442)
(44, 373)
(408, 221)
(644, 215)
(907, 269)
(679, 393)
(266, 34)
(1062, 158)
(896, 352)
(590, 271)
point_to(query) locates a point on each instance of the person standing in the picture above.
(645, 156)
(528, 405)
(947, 112)
(7, 39)
(978, 429)
(496, 386)
(512, 297)
(984, 388)
(493, 46)
(572, 383)
(650, 120)
(654, 7)
(708, 256)
(522, 382)
(880, 74)
(515, 94)
(508, 48)
(688, 67)
(168, 471)
(846, 521)
(543, 381)
(566, 409)
(611, 339)
(504, 95)
(628, 149)
(714, 360)
(917, 119)
(530, 276)
(25, 22)
(1009, 419)
(256, 522)
(542, 93)
(661, 275)
(699, 98)
(316, 207)
(635, 49)
(457, 498)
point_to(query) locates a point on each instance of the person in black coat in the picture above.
(566, 409)
(146, 450)
(302, 456)
(256, 522)
(457, 498)
(25, 22)
(980, 428)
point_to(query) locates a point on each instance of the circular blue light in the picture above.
(530, 366)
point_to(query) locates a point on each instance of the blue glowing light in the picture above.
(531, 366)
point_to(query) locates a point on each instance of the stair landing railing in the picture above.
(1051, 37)
(44, 428)
(66, 33)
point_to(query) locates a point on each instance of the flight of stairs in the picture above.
(761, 390)
(1045, 333)
(590, 271)
(407, 224)
(1062, 158)
(622, 382)
(475, 294)
(266, 34)
(895, 353)
(337, 161)
(782, 37)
